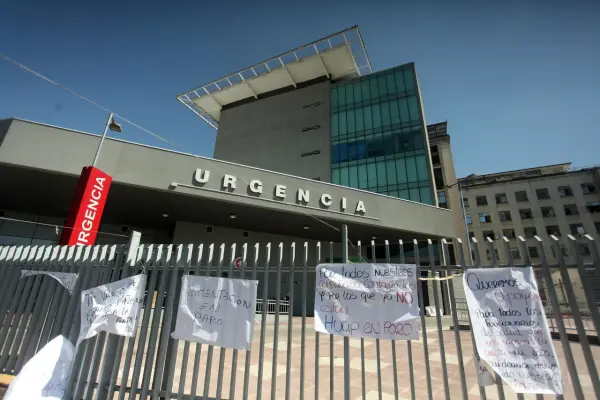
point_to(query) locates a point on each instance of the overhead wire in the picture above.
(57, 226)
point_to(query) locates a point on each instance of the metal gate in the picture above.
(288, 359)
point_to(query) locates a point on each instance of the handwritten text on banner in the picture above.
(46, 375)
(217, 311)
(113, 307)
(510, 328)
(367, 300)
(67, 279)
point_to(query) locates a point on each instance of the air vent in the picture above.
(209, 229)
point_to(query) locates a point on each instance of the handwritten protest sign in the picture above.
(484, 376)
(113, 307)
(217, 311)
(367, 300)
(46, 375)
(67, 279)
(510, 328)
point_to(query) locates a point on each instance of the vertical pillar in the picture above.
(346, 338)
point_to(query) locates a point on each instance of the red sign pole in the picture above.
(85, 213)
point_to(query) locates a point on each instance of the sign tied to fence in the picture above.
(46, 375)
(367, 300)
(511, 330)
(66, 279)
(113, 307)
(217, 311)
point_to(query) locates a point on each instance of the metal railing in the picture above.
(288, 359)
(272, 308)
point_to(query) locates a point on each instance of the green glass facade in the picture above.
(378, 135)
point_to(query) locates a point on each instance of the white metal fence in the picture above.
(288, 360)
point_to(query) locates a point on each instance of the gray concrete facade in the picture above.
(278, 132)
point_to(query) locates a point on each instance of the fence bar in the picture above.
(263, 324)
(331, 338)
(411, 372)
(476, 358)
(394, 363)
(362, 345)
(377, 343)
(198, 353)
(583, 339)
(585, 281)
(249, 352)
(189, 252)
(303, 329)
(317, 336)
(288, 366)
(209, 354)
(423, 322)
(456, 328)
(346, 338)
(276, 325)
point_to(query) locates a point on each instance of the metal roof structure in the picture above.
(340, 55)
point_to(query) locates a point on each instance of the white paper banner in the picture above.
(67, 279)
(484, 376)
(114, 307)
(46, 375)
(510, 328)
(217, 311)
(367, 300)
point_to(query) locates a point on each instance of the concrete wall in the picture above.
(268, 133)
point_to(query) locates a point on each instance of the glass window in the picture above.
(515, 254)
(530, 232)
(422, 168)
(401, 171)
(361, 150)
(353, 171)
(553, 230)
(381, 175)
(593, 206)
(335, 154)
(351, 124)
(375, 147)
(368, 113)
(388, 144)
(565, 191)
(542, 194)
(357, 87)
(334, 93)
(394, 112)
(509, 233)
(413, 109)
(426, 195)
(403, 194)
(521, 196)
(548, 212)
(342, 123)
(364, 88)
(349, 94)
(411, 169)
(390, 167)
(334, 125)
(533, 252)
(571, 209)
(376, 115)
(525, 213)
(391, 85)
(466, 202)
(485, 217)
(363, 183)
(360, 121)
(341, 96)
(577, 229)
(372, 175)
(583, 250)
(504, 216)
(403, 106)
(488, 235)
(588, 188)
(335, 176)
(382, 85)
(409, 79)
(442, 201)
(481, 200)
(400, 88)
(468, 219)
(342, 152)
(385, 114)
(344, 176)
(414, 194)
(373, 87)
(501, 198)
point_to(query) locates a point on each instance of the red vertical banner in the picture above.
(85, 213)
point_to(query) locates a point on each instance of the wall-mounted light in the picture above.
(306, 227)
(232, 216)
(374, 237)
(165, 215)
(172, 185)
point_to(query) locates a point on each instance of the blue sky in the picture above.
(518, 81)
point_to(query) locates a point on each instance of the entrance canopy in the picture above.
(155, 188)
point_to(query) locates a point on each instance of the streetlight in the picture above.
(464, 214)
(113, 126)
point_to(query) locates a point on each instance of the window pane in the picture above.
(334, 93)
(365, 90)
(376, 115)
(361, 150)
(341, 95)
(357, 92)
(358, 115)
(381, 175)
(344, 176)
(390, 167)
(411, 169)
(394, 112)
(415, 195)
(391, 85)
(335, 154)
(362, 177)
(400, 81)
(350, 121)
(375, 147)
(382, 85)
(403, 106)
(388, 143)
(343, 152)
(334, 125)
(409, 79)
(335, 176)
(368, 117)
(353, 171)
(426, 195)
(401, 171)
(413, 108)
(385, 114)
(403, 194)
(351, 151)
(349, 94)
(372, 174)
(373, 87)
(342, 123)
(422, 168)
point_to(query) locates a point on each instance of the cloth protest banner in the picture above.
(367, 300)
(114, 307)
(217, 311)
(67, 279)
(46, 375)
(510, 328)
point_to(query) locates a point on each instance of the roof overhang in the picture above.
(337, 56)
